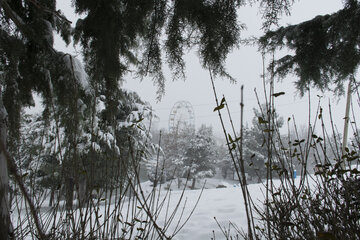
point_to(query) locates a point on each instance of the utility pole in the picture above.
(346, 124)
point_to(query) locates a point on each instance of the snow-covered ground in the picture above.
(224, 204)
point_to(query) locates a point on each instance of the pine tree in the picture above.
(257, 144)
(200, 156)
(175, 145)
(43, 146)
(326, 49)
(225, 162)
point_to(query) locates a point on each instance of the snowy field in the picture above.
(224, 204)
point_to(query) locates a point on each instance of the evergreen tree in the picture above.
(175, 146)
(225, 162)
(39, 158)
(30, 63)
(167, 162)
(326, 48)
(103, 154)
(256, 143)
(184, 153)
(200, 156)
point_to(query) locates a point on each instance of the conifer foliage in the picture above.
(326, 48)
(257, 140)
(200, 156)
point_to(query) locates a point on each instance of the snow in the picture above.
(78, 70)
(224, 204)
(100, 104)
(48, 30)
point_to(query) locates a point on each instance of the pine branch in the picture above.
(47, 10)
(22, 26)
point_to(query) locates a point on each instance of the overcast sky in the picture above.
(245, 65)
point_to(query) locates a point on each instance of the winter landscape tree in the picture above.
(200, 156)
(185, 153)
(257, 140)
(225, 162)
(92, 117)
(175, 145)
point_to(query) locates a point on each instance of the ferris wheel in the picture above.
(181, 116)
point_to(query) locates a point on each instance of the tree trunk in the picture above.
(11, 195)
(82, 191)
(193, 183)
(155, 182)
(69, 192)
(52, 195)
(179, 183)
(4, 177)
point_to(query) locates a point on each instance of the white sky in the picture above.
(245, 65)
